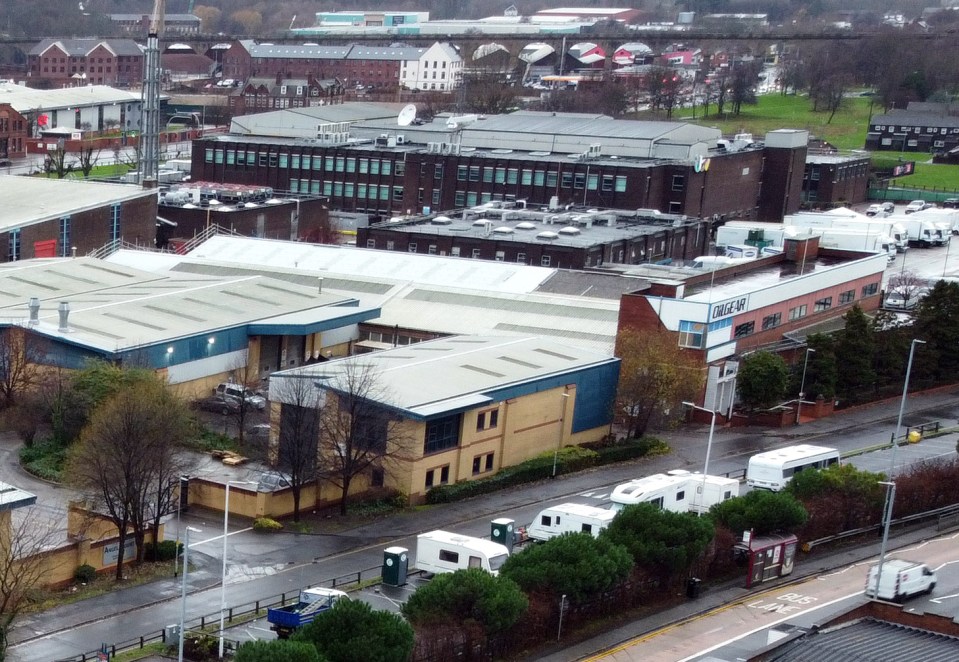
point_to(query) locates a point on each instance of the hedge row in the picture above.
(568, 460)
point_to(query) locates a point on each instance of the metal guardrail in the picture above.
(199, 625)
(946, 512)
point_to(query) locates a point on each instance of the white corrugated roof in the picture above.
(26, 99)
(28, 200)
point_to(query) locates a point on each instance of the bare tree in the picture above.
(245, 376)
(357, 431)
(664, 85)
(20, 353)
(297, 447)
(22, 564)
(56, 162)
(907, 284)
(87, 160)
(122, 453)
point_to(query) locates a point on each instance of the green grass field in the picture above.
(846, 131)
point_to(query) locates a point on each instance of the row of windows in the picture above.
(441, 475)
(456, 251)
(798, 312)
(529, 177)
(305, 161)
(917, 129)
(349, 190)
(693, 334)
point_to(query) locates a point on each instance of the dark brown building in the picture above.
(831, 179)
(13, 133)
(62, 217)
(60, 62)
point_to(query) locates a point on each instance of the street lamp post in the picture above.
(179, 504)
(226, 522)
(186, 566)
(891, 492)
(709, 441)
(802, 385)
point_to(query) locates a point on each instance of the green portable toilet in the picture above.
(396, 562)
(502, 531)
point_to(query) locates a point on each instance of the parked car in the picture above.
(905, 300)
(889, 208)
(917, 205)
(239, 392)
(218, 404)
(951, 203)
(877, 210)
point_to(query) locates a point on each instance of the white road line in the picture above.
(766, 627)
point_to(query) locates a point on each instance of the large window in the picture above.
(822, 304)
(442, 434)
(772, 321)
(65, 236)
(487, 420)
(871, 289)
(847, 296)
(692, 334)
(744, 329)
(797, 313)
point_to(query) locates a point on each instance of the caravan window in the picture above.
(657, 502)
(546, 520)
(476, 562)
(680, 495)
(449, 556)
(587, 528)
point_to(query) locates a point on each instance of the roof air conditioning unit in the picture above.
(400, 139)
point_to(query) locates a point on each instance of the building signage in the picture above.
(111, 552)
(728, 308)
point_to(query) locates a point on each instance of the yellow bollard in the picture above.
(915, 436)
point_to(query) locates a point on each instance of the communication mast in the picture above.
(150, 113)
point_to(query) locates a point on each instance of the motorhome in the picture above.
(569, 518)
(900, 580)
(441, 551)
(773, 469)
(679, 491)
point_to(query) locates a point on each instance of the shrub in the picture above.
(569, 459)
(165, 551)
(266, 524)
(85, 573)
(44, 459)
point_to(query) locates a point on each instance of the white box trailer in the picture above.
(441, 551)
(945, 219)
(569, 518)
(853, 240)
(892, 227)
(678, 491)
(900, 580)
(736, 235)
(922, 233)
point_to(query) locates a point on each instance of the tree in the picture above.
(660, 540)
(854, 497)
(20, 354)
(821, 371)
(663, 86)
(357, 432)
(937, 322)
(468, 597)
(762, 380)
(743, 84)
(487, 93)
(857, 347)
(573, 564)
(278, 650)
(655, 376)
(352, 630)
(244, 375)
(125, 453)
(761, 512)
(907, 284)
(56, 163)
(297, 450)
(86, 160)
(22, 564)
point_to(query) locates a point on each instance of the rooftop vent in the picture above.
(503, 230)
(547, 236)
(525, 225)
(569, 230)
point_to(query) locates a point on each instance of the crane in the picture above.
(150, 114)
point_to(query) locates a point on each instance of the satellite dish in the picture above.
(407, 115)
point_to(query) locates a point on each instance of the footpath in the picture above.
(688, 451)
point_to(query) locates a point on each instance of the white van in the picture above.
(239, 392)
(441, 551)
(900, 580)
(569, 518)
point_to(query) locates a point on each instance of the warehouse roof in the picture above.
(29, 200)
(26, 99)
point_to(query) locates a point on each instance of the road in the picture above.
(738, 629)
(284, 563)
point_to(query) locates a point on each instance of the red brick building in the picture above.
(60, 62)
(264, 94)
(13, 133)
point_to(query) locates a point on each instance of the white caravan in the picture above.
(442, 551)
(678, 491)
(569, 518)
(773, 469)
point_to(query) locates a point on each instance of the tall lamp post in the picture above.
(891, 492)
(186, 566)
(802, 385)
(226, 522)
(183, 484)
(709, 442)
